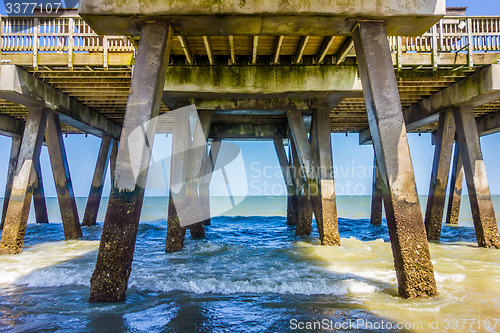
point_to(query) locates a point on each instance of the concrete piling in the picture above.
(404, 218)
(304, 207)
(94, 198)
(285, 165)
(110, 278)
(456, 182)
(439, 175)
(14, 154)
(39, 202)
(62, 178)
(483, 214)
(376, 204)
(208, 167)
(18, 209)
(324, 201)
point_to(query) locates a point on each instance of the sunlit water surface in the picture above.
(251, 274)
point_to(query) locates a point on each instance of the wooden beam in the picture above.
(324, 48)
(232, 50)
(208, 48)
(301, 48)
(185, 47)
(255, 45)
(344, 50)
(20, 87)
(277, 49)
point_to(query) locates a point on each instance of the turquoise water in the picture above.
(250, 274)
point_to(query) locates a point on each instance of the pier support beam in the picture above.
(315, 158)
(94, 199)
(208, 168)
(39, 202)
(404, 218)
(62, 178)
(304, 208)
(324, 201)
(187, 157)
(285, 165)
(18, 209)
(14, 154)
(456, 183)
(439, 176)
(483, 214)
(377, 205)
(114, 261)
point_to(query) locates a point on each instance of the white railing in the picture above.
(67, 35)
(72, 34)
(462, 34)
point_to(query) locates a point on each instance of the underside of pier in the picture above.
(251, 70)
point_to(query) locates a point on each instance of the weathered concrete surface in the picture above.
(15, 147)
(260, 81)
(20, 87)
(404, 218)
(114, 261)
(478, 89)
(285, 165)
(324, 202)
(456, 182)
(488, 124)
(196, 155)
(205, 178)
(483, 213)
(439, 176)
(22, 189)
(261, 17)
(94, 198)
(302, 199)
(376, 205)
(62, 178)
(11, 127)
(39, 202)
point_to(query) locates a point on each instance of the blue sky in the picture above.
(352, 162)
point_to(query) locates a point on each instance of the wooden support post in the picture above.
(304, 208)
(404, 218)
(483, 214)
(456, 182)
(376, 208)
(289, 182)
(114, 261)
(62, 178)
(206, 176)
(14, 154)
(94, 199)
(39, 202)
(18, 209)
(439, 176)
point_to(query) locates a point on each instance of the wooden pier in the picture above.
(253, 72)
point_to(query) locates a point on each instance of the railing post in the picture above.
(36, 28)
(470, 48)
(105, 51)
(399, 45)
(435, 46)
(1, 38)
(71, 41)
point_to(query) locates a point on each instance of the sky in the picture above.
(352, 162)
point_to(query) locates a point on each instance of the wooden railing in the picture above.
(68, 35)
(452, 35)
(57, 35)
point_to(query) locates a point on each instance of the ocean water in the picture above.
(250, 274)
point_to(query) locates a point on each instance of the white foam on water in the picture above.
(36, 266)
